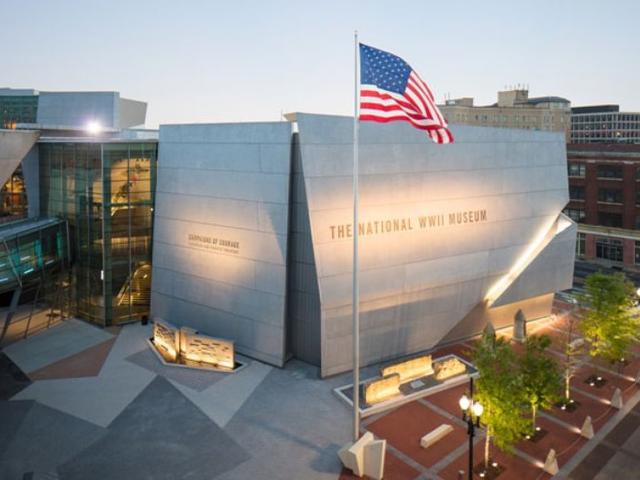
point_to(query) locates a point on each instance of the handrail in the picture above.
(13, 267)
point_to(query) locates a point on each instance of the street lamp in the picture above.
(471, 412)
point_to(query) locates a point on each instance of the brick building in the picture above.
(604, 191)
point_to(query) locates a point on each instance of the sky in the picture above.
(240, 60)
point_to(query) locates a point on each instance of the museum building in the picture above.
(244, 231)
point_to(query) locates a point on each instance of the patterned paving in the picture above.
(44, 439)
(112, 410)
(86, 363)
(616, 455)
(160, 435)
(12, 379)
(198, 380)
(99, 399)
(71, 337)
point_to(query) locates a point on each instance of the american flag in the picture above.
(390, 91)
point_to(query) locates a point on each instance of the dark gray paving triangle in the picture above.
(11, 416)
(195, 379)
(46, 438)
(12, 379)
(160, 435)
(293, 425)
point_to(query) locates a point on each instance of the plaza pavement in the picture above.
(77, 402)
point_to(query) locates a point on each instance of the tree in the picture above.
(540, 376)
(499, 390)
(609, 325)
(573, 350)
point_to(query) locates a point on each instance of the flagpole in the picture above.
(356, 292)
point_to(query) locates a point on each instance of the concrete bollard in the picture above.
(551, 463)
(587, 428)
(616, 400)
(520, 327)
(489, 329)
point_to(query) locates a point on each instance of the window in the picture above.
(577, 169)
(610, 195)
(575, 214)
(576, 192)
(607, 219)
(581, 244)
(610, 171)
(609, 249)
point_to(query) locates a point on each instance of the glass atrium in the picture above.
(106, 193)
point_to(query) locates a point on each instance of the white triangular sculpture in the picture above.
(365, 456)
(551, 463)
(587, 428)
(616, 400)
(374, 459)
(352, 454)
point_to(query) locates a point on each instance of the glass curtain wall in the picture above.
(106, 192)
(128, 195)
(28, 254)
(16, 109)
(13, 198)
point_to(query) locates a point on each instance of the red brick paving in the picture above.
(516, 467)
(447, 400)
(562, 439)
(631, 369)
(404, 427)
(394, 469)
(558, 339)
(606, 391)
(87, 363)
(600, 412)
(460, 349)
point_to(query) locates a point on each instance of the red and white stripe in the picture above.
(416, 106)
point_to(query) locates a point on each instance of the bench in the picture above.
(435, 435)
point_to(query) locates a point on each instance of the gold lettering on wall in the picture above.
(405, 224)
(207, 242)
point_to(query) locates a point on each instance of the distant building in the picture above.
(604, 198)
(514, 109)
(17, 106)
(604, 124)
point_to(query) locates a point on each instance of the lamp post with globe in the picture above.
(471, 412)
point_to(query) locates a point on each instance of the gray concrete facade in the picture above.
(77, 109)
(445, 229)
(450, 235)
(220, 233)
